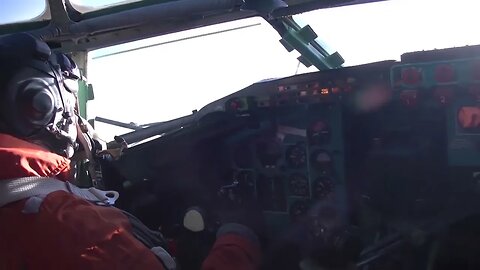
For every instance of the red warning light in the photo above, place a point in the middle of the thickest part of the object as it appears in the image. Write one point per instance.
(409, 97)
(336, 90)
(444, 73)
(236, 104)
(469, 117)
(411, 76)
(324, 91)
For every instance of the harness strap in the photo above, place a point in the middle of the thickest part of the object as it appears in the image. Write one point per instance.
(12, 190)
(17, 189)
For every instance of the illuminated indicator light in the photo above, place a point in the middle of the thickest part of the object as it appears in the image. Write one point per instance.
(444, 73)
(336, 90)
(303, 93)
(236, 104)
(409, 97)
(411, 76)
(324, 91)
(469, 117)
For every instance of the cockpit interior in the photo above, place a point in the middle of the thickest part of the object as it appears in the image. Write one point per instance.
(369, 166)
(383, 154)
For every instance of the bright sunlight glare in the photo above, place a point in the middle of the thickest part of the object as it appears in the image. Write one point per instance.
(166, 77)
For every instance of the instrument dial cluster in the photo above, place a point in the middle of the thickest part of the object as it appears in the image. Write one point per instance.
(296, 156)
(298, 185)
(323, 187)
(295, 159)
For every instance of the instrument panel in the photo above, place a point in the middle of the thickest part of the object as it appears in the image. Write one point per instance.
(297, 161)
(383, 147)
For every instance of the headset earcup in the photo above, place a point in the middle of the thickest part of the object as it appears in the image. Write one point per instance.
(29, 104)
(36, 102)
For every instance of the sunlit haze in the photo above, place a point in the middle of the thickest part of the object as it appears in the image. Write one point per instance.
(170, 78)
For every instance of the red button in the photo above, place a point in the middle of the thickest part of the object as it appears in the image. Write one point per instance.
(409, 97)
(444, 73)
(411, 76)
(236, 104)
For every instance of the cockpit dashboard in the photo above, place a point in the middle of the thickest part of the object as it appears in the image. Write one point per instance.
(385, 151)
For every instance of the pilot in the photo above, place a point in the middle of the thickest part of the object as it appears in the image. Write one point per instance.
(46, 222)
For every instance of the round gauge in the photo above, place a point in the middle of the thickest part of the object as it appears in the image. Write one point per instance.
(322, 187)
(319, 133)
(298, 209)
(269, 152)
(296, 156)
(298, 185)
(322, 161)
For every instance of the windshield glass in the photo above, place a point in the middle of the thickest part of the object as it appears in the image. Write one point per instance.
(375, 166)
(84, 6)
(15, 11)
(167, 77)
(384, 30)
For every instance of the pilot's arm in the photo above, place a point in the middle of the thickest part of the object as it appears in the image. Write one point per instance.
(236, 247)
(43, 223)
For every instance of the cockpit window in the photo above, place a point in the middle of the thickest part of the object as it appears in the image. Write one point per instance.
(169, 76)
(384, 30)
(174, 74)
(84, 6)
(17, 11)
